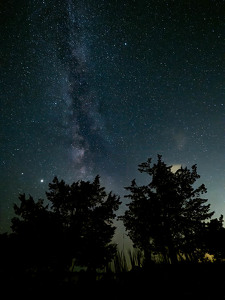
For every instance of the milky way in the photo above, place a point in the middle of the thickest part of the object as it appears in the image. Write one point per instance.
(97, 87)
(82, 118)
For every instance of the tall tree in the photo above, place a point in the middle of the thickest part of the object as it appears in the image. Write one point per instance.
(167, 215)
(87, 213)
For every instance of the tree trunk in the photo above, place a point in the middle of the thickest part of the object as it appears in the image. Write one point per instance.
(173, 255)
(148, 256)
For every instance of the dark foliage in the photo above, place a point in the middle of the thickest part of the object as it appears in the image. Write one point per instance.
(76, 225)
(167, 216)
(214, 239)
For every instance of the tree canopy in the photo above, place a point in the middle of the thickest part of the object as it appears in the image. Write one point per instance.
(167, 216)
(75, 224)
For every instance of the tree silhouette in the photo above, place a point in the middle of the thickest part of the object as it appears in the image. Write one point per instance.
(77, 223)
(87, 213)
(39, 235)
(214, 238)
(167, 216)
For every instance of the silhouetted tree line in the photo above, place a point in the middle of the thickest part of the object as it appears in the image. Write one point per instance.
(168, 219)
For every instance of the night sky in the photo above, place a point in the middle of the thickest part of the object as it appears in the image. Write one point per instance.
(96, 87)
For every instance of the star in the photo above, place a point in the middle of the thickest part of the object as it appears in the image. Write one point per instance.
(89, 105)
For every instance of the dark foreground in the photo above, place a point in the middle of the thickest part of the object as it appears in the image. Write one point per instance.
(197, 281)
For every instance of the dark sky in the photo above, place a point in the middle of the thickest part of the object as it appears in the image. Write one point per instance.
(96, 87)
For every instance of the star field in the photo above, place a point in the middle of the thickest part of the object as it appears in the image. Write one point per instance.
(97, 87)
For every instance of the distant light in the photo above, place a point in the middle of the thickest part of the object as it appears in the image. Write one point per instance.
(42, 180)
(125, 44)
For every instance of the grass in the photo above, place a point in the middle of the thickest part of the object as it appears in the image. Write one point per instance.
(125, 262)
(126, 277)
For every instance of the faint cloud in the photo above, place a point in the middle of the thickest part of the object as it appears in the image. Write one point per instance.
(175, 167)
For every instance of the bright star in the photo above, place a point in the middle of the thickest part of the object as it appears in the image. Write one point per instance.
(42, 180)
